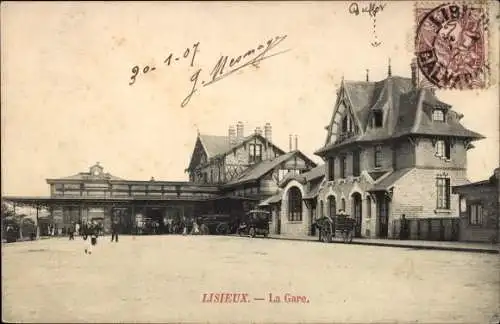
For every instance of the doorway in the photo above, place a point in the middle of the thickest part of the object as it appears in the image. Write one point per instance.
(312, 231)
(383, 216)
(278, 220)
(357, 212)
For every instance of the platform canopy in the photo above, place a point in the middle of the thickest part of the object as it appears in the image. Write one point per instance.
(47, 202)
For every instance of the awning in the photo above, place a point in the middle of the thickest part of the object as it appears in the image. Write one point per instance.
(271, 200)
(385, 183)
(313, 193)
(231, 197)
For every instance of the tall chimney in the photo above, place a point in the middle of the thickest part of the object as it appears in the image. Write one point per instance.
(290, 144)
(239, 131)
(296, 142)
(268, 131)
(367, 75)
(414, 73)
(389, 70)
(232, 135)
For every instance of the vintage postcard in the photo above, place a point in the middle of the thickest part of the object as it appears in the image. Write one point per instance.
(250, 162)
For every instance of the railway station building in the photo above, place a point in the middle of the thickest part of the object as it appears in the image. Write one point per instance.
(392, 153)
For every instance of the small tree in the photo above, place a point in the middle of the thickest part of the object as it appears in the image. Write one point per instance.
(7, 211)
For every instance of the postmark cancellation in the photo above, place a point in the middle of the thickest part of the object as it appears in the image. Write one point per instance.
(452, 45)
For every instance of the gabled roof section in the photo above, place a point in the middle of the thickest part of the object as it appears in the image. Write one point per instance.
(303, 178)
(95, 173)
(360, 96)
(258, 170)
(246, 140)
(217, 146)
(214, 144)
(194, 156)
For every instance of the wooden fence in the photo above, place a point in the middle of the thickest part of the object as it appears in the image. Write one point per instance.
(429, 229)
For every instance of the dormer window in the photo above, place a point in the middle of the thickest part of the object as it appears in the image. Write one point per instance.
(377, 119)
(438, 115)
(255, 154)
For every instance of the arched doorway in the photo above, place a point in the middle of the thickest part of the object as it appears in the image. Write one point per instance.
(332, 206)
(294, 204)
(357, 210)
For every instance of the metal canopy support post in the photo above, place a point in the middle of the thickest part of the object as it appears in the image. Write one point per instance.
(37, 223)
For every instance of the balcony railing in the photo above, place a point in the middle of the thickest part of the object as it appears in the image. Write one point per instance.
(343, 136)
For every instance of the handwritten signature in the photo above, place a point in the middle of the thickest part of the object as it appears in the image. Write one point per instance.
(372, 9)
(248, 58)
(225, 65)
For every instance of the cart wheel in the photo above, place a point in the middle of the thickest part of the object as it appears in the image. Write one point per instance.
(222, 228)
(350, 236)
(251, 232)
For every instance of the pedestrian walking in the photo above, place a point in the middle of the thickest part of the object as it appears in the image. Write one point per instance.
(71, 231)
(93, 232)
(196, 228)
(115, 229)
(403, 232)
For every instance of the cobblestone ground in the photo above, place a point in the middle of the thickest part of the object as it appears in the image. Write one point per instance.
(163, 278)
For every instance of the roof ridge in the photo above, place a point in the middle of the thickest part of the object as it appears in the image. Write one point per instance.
(418, 114)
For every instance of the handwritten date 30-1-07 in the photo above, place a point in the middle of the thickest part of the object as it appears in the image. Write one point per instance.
(189, 53)
(225, 65)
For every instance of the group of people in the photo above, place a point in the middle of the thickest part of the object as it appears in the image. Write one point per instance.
(90, 231)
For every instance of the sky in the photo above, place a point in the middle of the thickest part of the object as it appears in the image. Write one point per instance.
(66, 101)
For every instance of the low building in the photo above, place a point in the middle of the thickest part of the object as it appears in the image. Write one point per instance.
(480, 210)
(228, 175)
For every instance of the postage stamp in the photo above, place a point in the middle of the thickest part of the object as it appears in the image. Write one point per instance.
(451, 44)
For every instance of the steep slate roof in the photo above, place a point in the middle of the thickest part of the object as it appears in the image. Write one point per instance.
(218, 146)
(260, 169)
(215, 144)
(406, 111)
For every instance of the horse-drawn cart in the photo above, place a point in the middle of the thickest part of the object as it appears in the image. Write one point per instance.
(217, 224)
(341, 224)
(255, 222)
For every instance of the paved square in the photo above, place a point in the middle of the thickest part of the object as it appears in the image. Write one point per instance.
(163, 278)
